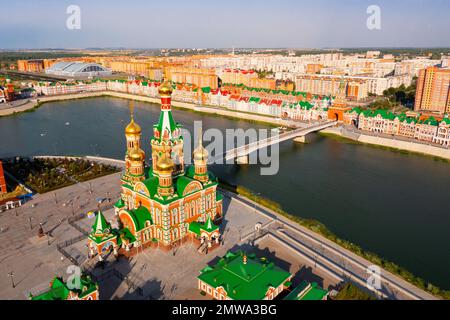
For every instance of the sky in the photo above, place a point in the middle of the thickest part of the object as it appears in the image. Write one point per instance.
(224, 24)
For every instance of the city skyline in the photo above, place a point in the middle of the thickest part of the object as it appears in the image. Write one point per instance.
(327, 24)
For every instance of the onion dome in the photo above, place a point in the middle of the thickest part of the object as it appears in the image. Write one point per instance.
(164, 164)
(136, 155)
(165, 89)
(133, 128)
(200, 153)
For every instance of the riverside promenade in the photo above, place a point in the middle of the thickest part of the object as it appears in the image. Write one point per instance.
(396, 142)
(33, 103)
(332, 257)
(363, 137)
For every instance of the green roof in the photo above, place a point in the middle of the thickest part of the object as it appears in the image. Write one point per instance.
(140, 216)
(208, 226)
(60, 291)
(119, 203)
(307, 291)
(126, 233)
(430, 121)
(446, 120)
(244, 281)
(100, 224)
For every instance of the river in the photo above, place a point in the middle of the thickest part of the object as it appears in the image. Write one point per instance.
(392, 203)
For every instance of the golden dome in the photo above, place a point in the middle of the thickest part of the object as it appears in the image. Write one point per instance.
(165, 89)
(133, 128)
(200, 153)
(136, 155)
(164, 164)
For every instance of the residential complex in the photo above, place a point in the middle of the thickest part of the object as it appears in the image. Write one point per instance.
(318, 74)
(427, 129)
(433, 90)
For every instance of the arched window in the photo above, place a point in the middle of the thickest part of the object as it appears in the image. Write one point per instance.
(175, 216)
(158, 216)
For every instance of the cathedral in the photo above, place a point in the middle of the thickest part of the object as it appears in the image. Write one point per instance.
(166, 202)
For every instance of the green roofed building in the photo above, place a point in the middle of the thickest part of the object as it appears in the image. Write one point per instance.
(242, 276)
(60, 290)
(307, 291)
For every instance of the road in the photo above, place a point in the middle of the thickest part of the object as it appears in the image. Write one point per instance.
(339, 259)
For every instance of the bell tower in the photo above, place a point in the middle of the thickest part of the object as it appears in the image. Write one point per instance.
(167, 138)
(135, 156)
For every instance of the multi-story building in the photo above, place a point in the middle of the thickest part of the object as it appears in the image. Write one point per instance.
(201, 77)
(356, 89)
(58, 88)
(30, 65)
(382, 121)
(413, 66)
(165, 203)
(237, 76)
(433, 90)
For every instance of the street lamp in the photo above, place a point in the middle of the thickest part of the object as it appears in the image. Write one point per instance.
(254, 202)
(11, 275)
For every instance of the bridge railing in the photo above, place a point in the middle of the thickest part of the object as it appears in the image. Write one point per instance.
(253, 146)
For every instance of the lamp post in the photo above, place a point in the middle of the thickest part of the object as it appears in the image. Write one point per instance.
(254, 201)
(31, 226)
(11, 275)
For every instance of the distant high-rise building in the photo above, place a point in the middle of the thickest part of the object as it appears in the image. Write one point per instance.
(433, 90)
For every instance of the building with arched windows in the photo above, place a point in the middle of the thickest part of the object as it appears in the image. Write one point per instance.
(166, 202)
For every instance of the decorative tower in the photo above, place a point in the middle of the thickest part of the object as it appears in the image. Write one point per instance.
(135, 156)
(165, 183)
(167, 137)
(339, 106)
(200, 161)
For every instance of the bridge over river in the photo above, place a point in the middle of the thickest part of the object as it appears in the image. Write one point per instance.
(241, 153)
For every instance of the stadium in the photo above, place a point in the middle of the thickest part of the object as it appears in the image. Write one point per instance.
(78, 70)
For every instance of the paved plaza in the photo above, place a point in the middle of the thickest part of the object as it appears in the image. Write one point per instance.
(155, 273)
(158, 273)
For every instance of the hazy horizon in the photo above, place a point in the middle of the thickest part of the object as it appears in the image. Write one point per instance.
(301, 24)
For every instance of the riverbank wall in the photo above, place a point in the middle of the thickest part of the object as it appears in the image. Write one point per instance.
(414, 147)
(34, 103)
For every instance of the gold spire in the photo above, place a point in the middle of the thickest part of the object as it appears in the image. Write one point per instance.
(200, 153)
(132, 128)
(164, 164)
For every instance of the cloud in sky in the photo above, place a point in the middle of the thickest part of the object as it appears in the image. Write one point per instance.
(243, 23)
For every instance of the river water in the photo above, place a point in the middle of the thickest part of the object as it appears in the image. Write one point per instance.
(394, 204)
